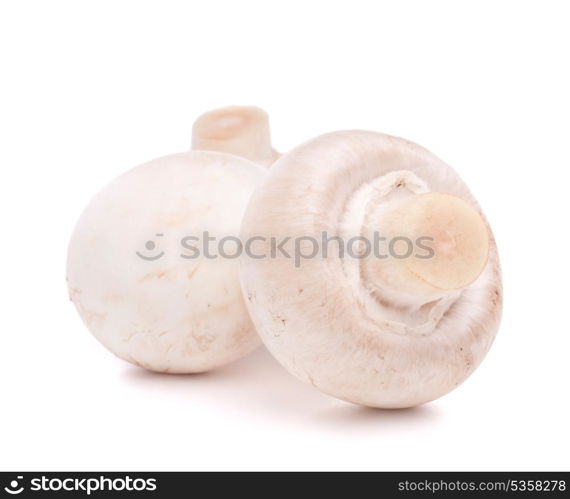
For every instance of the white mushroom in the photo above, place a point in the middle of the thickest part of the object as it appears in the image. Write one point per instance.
(132, 271)
(384, 329)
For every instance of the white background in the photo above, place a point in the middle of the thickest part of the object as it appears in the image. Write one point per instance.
(90, 89)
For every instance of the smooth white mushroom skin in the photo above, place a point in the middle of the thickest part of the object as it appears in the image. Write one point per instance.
(384, 333)
(127, 277)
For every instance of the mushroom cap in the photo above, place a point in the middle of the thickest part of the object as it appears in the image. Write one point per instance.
(324, 319)
(133, 289)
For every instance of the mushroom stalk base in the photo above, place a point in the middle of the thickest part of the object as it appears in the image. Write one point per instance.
(239, 130)
(434, 244)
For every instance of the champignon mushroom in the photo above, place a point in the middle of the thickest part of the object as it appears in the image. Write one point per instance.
(134, 273)
(384, 329)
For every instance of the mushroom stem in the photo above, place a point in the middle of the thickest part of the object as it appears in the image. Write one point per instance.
(239, 130)
(437, 244)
